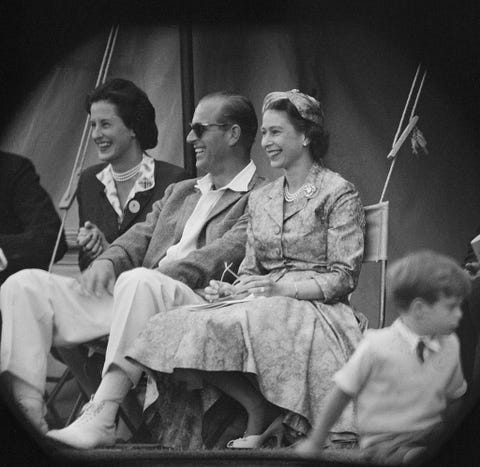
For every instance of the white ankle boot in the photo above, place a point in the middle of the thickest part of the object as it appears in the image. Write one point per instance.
(34, 411)
(94, 428)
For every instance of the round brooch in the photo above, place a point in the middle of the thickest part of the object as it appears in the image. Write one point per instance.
(309, 190)
(134, 206)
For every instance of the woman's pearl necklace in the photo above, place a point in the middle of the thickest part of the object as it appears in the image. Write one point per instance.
(127, 175)
(289, 197)
(307, 190)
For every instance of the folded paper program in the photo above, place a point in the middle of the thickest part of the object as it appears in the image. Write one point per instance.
(222, 302)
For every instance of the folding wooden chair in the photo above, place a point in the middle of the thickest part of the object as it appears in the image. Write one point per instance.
(376, 245)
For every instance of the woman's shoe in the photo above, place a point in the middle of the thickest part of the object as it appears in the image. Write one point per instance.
(247, 442)
(276, 430)
(94, 428)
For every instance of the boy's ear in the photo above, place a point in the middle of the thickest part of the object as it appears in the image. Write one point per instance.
(417, 307)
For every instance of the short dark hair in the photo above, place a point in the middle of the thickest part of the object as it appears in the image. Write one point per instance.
(427, 275)
(316, 133)
(133, 107)
(237, 109)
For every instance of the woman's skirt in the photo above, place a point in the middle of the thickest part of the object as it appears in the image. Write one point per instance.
(292, 347)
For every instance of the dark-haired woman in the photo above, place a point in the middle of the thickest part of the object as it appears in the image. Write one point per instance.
(276, 354)
(120, 191)
(111, 198)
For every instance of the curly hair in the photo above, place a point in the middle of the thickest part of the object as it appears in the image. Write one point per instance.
(133, 107)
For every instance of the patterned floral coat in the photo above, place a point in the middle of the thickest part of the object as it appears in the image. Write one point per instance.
(292, 347)
(321, 235)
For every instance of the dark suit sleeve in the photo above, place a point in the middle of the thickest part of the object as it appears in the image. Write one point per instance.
(33, 247)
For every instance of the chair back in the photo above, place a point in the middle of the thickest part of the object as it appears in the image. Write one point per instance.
(376, 247)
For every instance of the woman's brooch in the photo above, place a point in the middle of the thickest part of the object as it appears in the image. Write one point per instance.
(309, 190)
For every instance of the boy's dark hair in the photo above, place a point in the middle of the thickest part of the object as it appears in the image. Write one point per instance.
(427, 275)
(133, 107)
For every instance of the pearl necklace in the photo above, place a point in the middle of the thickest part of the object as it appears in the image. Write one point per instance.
(127, 175)
(307, 190)
(289, 197)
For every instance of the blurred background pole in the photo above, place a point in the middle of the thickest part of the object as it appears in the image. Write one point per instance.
(188, 93)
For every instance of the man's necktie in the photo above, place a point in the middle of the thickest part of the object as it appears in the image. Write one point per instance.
(420, 349)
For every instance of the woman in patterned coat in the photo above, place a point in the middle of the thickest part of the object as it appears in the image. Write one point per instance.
(276, 350)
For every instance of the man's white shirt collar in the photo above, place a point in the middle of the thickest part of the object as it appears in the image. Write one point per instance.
(238, 183)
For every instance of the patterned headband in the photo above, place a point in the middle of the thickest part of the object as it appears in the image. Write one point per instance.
(307, 106)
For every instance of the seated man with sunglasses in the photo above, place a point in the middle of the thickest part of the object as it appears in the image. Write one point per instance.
(197, 227)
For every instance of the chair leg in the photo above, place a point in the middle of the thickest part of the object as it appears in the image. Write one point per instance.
(51, 397)
(78, 403)
(75, 361)
(60, 383)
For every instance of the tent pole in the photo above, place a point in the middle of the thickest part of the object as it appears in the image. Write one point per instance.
(69, 195)
(188, 93)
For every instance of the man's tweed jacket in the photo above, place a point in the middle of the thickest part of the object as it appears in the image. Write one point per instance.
(221, 240)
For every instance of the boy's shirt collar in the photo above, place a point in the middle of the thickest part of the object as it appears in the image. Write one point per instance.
(412, 338)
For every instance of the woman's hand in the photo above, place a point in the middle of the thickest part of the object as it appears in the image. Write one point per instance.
(263, 286)
(92, 240)
(217, 289)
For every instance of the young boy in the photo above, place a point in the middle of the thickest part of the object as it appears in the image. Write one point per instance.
(402, 377)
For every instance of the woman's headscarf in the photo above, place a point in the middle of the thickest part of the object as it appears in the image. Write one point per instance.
(307, 106)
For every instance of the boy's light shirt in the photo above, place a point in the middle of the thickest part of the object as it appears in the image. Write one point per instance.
(412, 338)
(394, 391)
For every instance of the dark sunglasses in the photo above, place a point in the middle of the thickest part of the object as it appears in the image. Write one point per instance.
(200, 128)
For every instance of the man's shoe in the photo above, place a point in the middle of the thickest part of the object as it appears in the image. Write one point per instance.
(93, 429)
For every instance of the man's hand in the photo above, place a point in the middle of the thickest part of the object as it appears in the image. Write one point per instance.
(216, 290)
(98, 279)
(92, 240)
